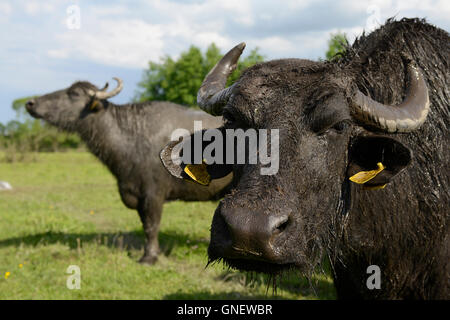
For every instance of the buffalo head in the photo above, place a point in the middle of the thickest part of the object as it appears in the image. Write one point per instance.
(328, 131)
(63, 107)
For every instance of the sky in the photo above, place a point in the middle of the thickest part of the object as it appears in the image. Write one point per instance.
(48, 45)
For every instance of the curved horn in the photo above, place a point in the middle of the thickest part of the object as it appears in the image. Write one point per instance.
(406, 117)
(105, 87)
(102, 94)
(212, 95)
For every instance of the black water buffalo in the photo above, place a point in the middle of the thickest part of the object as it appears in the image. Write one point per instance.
(127, 139)
(378, 114)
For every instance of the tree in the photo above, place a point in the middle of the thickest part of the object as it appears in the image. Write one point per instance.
(179, 80)
(336, 45)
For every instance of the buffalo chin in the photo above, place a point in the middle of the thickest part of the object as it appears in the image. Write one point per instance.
(257, 266)
(252, 265)
(34, 114)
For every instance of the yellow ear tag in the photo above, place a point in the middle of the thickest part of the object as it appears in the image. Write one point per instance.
(94, 105)
(198, 173)
(364, 176)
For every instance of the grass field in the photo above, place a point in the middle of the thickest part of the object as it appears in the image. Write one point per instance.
(65, 210)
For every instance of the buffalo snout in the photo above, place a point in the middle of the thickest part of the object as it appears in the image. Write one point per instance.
(29, 104)
(249, 234)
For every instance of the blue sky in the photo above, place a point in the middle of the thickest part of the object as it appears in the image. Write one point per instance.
(47, 45)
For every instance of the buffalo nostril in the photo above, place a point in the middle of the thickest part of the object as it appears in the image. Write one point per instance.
(29, 104)
(280, 225)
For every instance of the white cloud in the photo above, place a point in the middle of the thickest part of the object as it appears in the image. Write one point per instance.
(117, 35)
(241, 11)
(5, 8)
(351, 33)
(204, 39)
(39, 53)
(277, 45)
(127, 43)
(33, 7)
(58, 53)
(298, 4)
(433, 10)
(105, 11)
(5, 11)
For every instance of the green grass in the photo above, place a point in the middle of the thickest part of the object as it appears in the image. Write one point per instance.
(65, 210)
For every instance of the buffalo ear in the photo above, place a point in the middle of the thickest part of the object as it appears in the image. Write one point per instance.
(95, 105)
(166, 158)
(367, 153)
(172, 159)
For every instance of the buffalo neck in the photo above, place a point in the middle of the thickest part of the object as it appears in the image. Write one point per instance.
(106, 139)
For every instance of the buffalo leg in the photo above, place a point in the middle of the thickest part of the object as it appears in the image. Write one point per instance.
(150, 209)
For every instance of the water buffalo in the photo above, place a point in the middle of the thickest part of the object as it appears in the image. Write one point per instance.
(378, 114)
(127, 139)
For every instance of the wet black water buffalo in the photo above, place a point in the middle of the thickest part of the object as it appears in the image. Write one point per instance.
(127, 139)
(383, 105)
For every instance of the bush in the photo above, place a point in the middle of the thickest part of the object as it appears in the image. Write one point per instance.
(17, 139)
(179, 80)
(20, 137)
(337, 45)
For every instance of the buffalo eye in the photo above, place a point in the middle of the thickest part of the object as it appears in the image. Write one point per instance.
(340, 126)
(74, 93)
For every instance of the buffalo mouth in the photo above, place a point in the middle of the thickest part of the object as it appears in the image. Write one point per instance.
(247, 261)
(254, 256)
(34, 114)
(250, 265)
